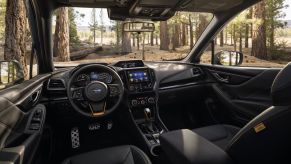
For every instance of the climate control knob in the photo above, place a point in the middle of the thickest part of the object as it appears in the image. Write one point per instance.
(151, 100)
(134, 102)
(142, 102)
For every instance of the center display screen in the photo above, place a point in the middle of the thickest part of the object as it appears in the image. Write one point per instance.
(138, 76)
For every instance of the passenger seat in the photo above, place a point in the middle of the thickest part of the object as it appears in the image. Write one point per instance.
(220, 134)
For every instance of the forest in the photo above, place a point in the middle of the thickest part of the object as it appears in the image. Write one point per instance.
(261, 32)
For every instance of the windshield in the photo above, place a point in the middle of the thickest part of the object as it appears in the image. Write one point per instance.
(86, 35)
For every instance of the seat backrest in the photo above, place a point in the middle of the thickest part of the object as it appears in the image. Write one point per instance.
(267, 138)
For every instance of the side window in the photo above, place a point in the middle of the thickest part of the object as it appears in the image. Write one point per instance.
(15, 45)
(258, 37)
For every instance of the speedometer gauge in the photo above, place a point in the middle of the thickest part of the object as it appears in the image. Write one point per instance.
(103, 77)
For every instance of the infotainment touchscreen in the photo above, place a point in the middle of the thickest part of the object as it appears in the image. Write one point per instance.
(138, 76)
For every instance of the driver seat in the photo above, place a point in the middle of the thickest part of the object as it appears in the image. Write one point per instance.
(121, 154)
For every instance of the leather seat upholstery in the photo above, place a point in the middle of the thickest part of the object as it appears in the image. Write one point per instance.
(220, 135)
(114, 155)
(266, 138)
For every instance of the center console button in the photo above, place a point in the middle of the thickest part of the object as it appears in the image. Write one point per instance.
(131, 88)
(151, 100)
(142, 102)
(134, 102)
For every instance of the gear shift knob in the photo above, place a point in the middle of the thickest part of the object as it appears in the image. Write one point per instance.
(147, 113)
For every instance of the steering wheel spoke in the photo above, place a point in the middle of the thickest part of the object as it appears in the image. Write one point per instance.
(114, 90)
(97, 108)
(77, 93)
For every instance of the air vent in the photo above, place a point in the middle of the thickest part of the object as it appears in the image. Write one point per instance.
(56, 84)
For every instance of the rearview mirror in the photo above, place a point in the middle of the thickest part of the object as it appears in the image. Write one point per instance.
(228, 58)
(138, 27)
(11, 73)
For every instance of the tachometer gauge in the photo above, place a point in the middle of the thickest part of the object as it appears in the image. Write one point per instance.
(82, 80)
(105, 77)
(108, 78)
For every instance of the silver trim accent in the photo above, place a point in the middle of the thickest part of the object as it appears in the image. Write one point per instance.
(75, 138)
(178, 86)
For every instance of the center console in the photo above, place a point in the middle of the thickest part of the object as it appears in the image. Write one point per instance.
(142, 97)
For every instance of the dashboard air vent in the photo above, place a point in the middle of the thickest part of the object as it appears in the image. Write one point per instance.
(56, 84)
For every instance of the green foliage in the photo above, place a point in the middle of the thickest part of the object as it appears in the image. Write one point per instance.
(274, 15)
(2, 18)
(74, 39)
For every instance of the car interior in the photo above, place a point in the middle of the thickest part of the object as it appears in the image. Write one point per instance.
(143, 112)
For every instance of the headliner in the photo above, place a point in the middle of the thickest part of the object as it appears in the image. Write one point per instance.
(211, 6)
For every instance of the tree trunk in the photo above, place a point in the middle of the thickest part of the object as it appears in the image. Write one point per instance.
(61, 44)
(272, 34)
(152, 38)
(201, 26)
(137, 41)
(126, 43)
(191, 33)
(133, 40)
(225, 35)
(259, 48)
(164, 38)
(240, 40)
(177, 35)
(15, 33)
(221, 38)
(183, 34)
(234, 37)
(251, 17)
(231, 36)
(247, 36)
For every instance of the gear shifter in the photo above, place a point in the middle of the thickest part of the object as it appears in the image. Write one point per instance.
(148, 114)
(149, 122)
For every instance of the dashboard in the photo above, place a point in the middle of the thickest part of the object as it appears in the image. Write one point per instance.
(138, 77)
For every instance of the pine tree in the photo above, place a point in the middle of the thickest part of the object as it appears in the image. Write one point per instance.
(259, 48)
(15, 33)
(61, 37)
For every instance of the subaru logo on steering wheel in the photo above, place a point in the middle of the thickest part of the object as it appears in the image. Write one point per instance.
(96, 90)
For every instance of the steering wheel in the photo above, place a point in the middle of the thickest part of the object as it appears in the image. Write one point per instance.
(95, 94)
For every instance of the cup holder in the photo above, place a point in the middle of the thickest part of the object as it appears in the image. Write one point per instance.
(156, 150)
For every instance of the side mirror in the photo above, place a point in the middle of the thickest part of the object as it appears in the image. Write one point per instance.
(141, 26)
(11, 73)
(228, 58)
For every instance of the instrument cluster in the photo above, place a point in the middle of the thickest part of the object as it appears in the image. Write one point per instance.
(85, 78)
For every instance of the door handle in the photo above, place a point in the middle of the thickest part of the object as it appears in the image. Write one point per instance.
(224, 79)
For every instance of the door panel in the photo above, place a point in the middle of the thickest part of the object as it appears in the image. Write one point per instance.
(244, 91)
(21, 121)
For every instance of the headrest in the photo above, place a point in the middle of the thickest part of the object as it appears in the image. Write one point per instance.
(281, 88)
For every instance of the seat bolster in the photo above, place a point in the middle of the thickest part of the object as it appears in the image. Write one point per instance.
(127, 154)
(139, 156)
